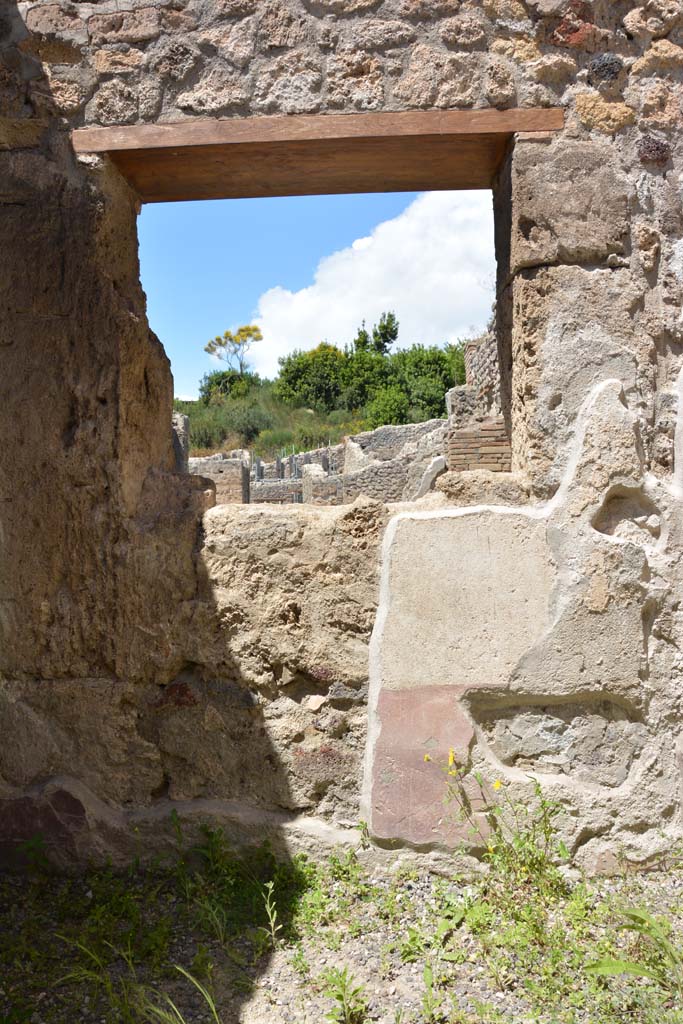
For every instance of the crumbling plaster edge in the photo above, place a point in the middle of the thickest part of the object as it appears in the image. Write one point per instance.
(543, 511)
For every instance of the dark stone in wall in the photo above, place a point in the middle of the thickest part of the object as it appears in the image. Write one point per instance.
(652, 150)
(605, 68)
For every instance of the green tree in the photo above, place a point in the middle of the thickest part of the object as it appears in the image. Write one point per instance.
(384, 334)
(366, 373)
(424, 374)
(361, 343)
(234, 348)
(313, 379)
(456, 354)
(221, 384)
(388, 406)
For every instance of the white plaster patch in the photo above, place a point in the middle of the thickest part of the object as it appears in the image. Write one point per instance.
(469, 597)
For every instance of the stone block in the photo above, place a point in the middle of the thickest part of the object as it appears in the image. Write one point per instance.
(554, 223)
(136, 26)
(59, 21)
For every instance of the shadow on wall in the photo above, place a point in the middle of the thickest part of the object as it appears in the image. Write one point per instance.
(119, 700)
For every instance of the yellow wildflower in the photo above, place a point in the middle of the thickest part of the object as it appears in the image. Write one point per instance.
(451, 757)
(427, 758)
(497, 784)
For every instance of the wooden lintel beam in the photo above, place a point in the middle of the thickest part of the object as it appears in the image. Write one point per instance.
(300, 155)
(225, 131)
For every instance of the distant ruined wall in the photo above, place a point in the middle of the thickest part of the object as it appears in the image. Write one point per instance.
(389, 442)
(321, 488)
(384, 481)
(386, 464)
(231, 477)
(282, 492)
(136, 672)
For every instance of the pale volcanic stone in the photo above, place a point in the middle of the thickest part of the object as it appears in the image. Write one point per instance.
(355, 80)
(583, 224)
(381, 34)
(526, 50)
(441, 80)
(428, 8)
(482, 487)
(235, 43)
(661, 107)
(602, 116)
(57, 21)
(128, 27)
(279, 27)
(343, 7)
(291, 85)
(115, 103)
(178, 21)
(649, 245)
(653, 19)
(467, 31)
(220, 89)
(231, 8)
(501, 89)
(70, 88)
(662, 56)
(150, 93)
(549, 8)
(110, 62)
(505, 10)
(553, 68)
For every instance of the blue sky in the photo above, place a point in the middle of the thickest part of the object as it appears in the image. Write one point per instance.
(310, 269)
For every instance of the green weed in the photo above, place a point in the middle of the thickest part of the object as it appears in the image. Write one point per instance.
(168, 1012)
(663, 965)
(349, 997)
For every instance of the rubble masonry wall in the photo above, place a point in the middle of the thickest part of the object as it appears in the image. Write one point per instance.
(154, 653)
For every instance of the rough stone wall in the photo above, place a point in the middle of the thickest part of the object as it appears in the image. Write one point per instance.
(321, 488)
(230, 476)
(483, 373)
(390, 442)
(572, 678)
(260, 725)
(333, 455)
(279, 492)
(111, 588)
(384, 481)
(387, 464)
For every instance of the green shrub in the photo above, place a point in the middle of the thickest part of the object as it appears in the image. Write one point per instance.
(325, 393)
(390, 406)
(313, 379)
(220, 384)
(245, 418)
(271, 442)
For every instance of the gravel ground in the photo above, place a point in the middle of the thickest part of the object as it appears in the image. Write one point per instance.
(383, 926)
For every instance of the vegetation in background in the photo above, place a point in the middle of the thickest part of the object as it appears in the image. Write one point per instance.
(234, 348)
(320, 395)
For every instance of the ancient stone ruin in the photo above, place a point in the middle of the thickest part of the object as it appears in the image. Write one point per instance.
(287, 669)
(389, 464)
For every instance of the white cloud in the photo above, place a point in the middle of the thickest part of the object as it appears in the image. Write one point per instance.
(433, 265)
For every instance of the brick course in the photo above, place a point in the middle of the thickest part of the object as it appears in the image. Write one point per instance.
(481, 445)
